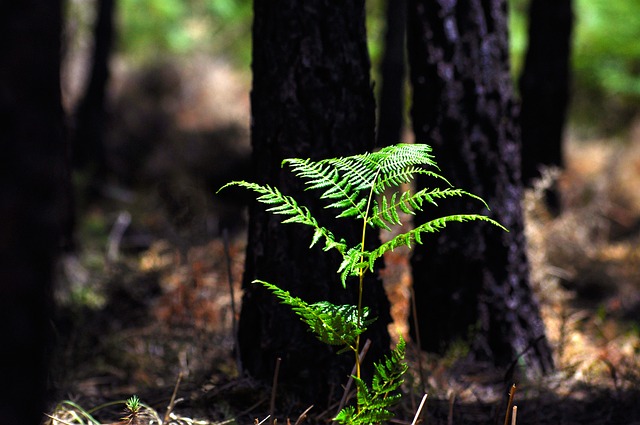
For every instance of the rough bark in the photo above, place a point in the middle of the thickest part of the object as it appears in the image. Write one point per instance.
(472, 280)
(31, 176)
(544, 86)
(392, 89)
(311, 97)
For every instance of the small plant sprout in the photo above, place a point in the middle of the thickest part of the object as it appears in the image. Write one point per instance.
(366, 188)
(132, 410)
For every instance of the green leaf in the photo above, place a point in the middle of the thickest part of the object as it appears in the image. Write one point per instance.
(331, 324)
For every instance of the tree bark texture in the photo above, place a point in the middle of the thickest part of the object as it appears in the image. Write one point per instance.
(544, 85)
(311, 97)
(392, 91)
(472, 280)
(31, 181)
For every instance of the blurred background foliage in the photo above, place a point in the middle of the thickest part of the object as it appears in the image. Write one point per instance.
(605, 60)
(606, 48)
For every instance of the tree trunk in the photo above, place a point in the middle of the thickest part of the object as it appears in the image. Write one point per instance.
(311, 97)
(544, 85)
(89, 154)
(31, 180)
(392, 106)
(472, 280)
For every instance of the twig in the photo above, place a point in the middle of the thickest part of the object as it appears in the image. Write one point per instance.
(347, 388)
(419, 411)
(416, 328)
(513, 415)
(512, 392)
(234, 324)
(452, 400)
(115, 235)
(303, 415)
(274, 387)
(173, 399)
(262, 421)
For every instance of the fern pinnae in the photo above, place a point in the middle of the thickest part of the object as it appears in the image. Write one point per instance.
(355, 170)
(376, 401)
(317, 175)
(401, 156)
(433, 226)
(320, 175)
(338, 325)
(404, 176)
(287, 205)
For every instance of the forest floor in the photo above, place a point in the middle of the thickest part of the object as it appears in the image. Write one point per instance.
(146, 304)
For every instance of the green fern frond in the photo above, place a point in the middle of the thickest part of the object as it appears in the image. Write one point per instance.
(350, 180)
(332, 324)
(358, 170)
(386, 212)
(287, 205)
(433, 226)
(375, 402)
(357, 187)
(356, 260)
(403, 176)
(392, 159)
(388, 372)
(353, 263)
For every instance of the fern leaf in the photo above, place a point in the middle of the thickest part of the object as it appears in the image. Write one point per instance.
(286, 205)
(388, 372)
(325, 175)
(348, 181)
(386, 212)
(375, 402)
(394, 158)
(433, 226)
(331, 324)
(354, 262)
(358, 170)
(318, 175)
(345, 416)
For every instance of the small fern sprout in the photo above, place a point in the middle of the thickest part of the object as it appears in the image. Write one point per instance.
(366, 188)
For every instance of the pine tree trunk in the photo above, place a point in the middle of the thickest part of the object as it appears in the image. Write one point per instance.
(544, 85)
(311, 97)
(392, 72)
(472, 279)
(31, 182)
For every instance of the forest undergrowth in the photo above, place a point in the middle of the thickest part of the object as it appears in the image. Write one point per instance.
(136, 322)
(146, 305)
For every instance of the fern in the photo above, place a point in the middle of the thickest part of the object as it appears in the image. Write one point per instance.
(376, 401)
(357, 188)
(352, 184)
(331, 324)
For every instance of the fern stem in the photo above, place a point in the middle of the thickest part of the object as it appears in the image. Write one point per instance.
(357, 345)
(365, 218)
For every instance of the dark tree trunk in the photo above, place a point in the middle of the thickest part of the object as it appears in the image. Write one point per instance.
(391, 108)
(311, 97)
(88, 142)
(31, 178)
(472, 279)
(544, 85)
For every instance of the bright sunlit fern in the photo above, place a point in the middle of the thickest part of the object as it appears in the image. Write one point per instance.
(366, 187)
(369, 188)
